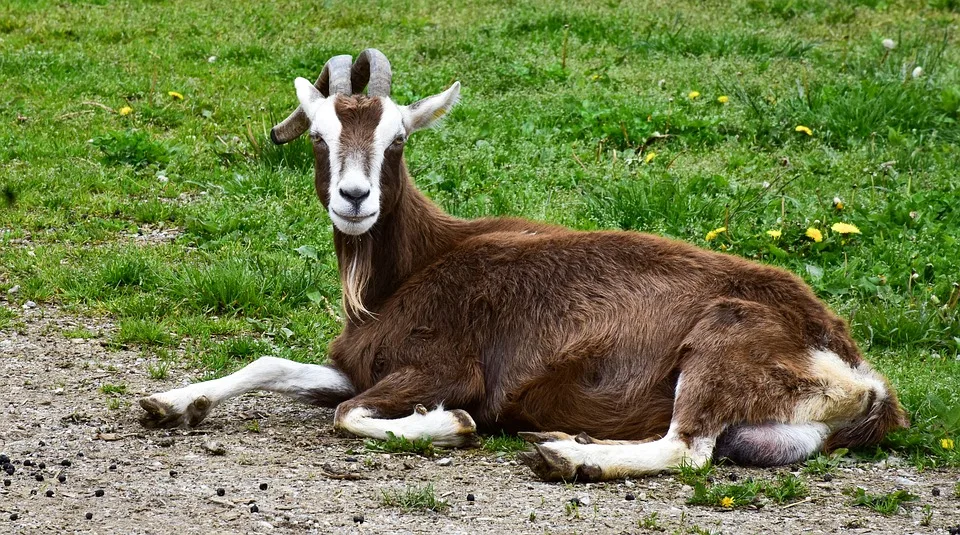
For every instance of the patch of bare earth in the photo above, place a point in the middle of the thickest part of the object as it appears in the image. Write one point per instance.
(53, 410)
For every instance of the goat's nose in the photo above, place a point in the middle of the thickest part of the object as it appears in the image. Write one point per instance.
(355, 195)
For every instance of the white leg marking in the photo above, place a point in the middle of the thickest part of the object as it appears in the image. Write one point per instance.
(625, 460)
(442, 427)
(293, 379)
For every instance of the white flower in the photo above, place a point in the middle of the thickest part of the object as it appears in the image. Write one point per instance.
(889, 44)
(211, 59)
(917, 72)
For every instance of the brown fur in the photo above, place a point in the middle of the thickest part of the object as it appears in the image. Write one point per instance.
(529, 326)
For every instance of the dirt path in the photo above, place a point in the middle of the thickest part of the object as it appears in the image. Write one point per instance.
(166, 482)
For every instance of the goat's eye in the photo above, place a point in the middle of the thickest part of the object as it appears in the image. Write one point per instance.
(398, 141)
(318, 140)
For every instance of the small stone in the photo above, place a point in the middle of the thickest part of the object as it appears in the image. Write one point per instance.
(29, 305)
(214, 448)
(42, 466)
(62, 478)
(350, 459)
(49, 494)
(254, 508)
(38, 477)
(7, 483)
(9, 469)
(585, 500)
(173, 473)
(14, 289)
(358, 519)
(733, 477)
(263, 486)
(576, 501)
(65, 462)
(98, 493)
(221, 492)
(4, 459)
(113, 467)
(88, 516)
(936, 491)
(828, 477)
(28, 462)
(14, 516)
(79, 453)
(471, 497)
(446, 461)
(166, 442)
(630, 497)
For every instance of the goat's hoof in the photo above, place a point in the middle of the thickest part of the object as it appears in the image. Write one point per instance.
(467, 436)
(161, 414)
(551, 465)
(541, 437)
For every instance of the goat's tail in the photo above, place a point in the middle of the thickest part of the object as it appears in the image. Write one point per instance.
(882, 415)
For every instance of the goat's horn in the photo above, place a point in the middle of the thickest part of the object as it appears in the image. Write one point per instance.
(373, 67)
(333, 79)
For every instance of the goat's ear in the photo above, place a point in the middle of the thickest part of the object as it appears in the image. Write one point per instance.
(308, 95)
(427, 112)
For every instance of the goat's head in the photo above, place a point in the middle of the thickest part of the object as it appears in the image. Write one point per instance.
(358, 139)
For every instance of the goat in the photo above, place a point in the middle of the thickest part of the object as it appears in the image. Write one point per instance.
(667, 352)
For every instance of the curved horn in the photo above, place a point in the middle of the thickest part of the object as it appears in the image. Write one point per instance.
(373, 67)
(333, 79)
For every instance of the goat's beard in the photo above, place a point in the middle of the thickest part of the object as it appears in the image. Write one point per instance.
(355, 271)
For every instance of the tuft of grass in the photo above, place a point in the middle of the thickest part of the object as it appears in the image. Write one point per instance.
(650, 522)
(158, 371)
(414, 498)
(504, 443)
(142, 331)
(131, 147)
(786, 488)
(885, 504)
(113, 390)
(824, 464)
(395, 444)
(727, 495)
(689, 474)
(7, 317)
(78, 332)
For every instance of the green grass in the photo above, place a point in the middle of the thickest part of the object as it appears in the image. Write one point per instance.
(395, 444)
(562, 103)
(885, 504)
(111, 390)
(414, 498)
(504, 444)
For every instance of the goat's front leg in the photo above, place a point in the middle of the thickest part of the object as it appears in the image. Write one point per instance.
(188, 406)
(398, 404)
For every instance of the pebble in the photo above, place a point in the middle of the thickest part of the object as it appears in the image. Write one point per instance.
(630, 497)
(113, 467)
(42, 466)
(471, 497)
(14, 516)
(62, 478)
(29, 304)
(828, 477)
(936, 491)
(14, 289)
(49, 494)
(166, 442)
(358, 519)
(173, 473)
(446, 461)
(221, 492)
(263, 486)
(350, 459)
(65, 462)
(88, 516)
(214, 448)
(38, 477)
(98, 493)
(254, 508)
(6, 483)
(4, 459)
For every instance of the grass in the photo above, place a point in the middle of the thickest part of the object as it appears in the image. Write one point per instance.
(885, 504)
(575, 113)
(825, 463)
(785, 488)
(395, 444)
(113, 390)
(504, 444)
(414, 498)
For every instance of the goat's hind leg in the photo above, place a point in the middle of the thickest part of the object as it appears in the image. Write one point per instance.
(188, 406)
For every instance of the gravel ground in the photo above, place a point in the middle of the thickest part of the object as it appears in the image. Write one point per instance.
(166, 481)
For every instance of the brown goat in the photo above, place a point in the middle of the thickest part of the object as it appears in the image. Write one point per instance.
(668, 352)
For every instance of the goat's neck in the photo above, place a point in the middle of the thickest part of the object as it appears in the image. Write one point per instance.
(404, 241)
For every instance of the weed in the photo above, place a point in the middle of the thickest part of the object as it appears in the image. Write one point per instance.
(395, 444)
(158, 370)
(885, 504)
(786, 488)
(927, 515)
(114, 404)
(253, 426)
(7, 317)
(78, 332)
(650, 522)
(824, 464)
(142, 331)
(504, 443)
(688, 474)
(571, 508)
(131, 147)
(414, 498)
(113, 390)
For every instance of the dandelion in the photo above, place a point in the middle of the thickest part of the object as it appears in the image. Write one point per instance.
(175, 95)
(889, 44)
(649, 157)
(837, 203)
(814, 235)
(726, 501)
(723, 99)
(693, 94)
(712, 235)
(917, 72)
(946, 443)
(804, 129)
(775, 234)
(126, 110)
(844, 228)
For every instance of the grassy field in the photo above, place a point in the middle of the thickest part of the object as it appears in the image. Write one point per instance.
(137, 179)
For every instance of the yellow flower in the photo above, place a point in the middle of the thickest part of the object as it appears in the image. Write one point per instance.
(649, 157)
(775, 234)
(845, 228)
(946, 443)
(126, 110)
(712, 235)
(726, 501)
(814, 234)
(175, 95)
(723, 99)
(693, 94)
(838, 203)
(804, 129)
